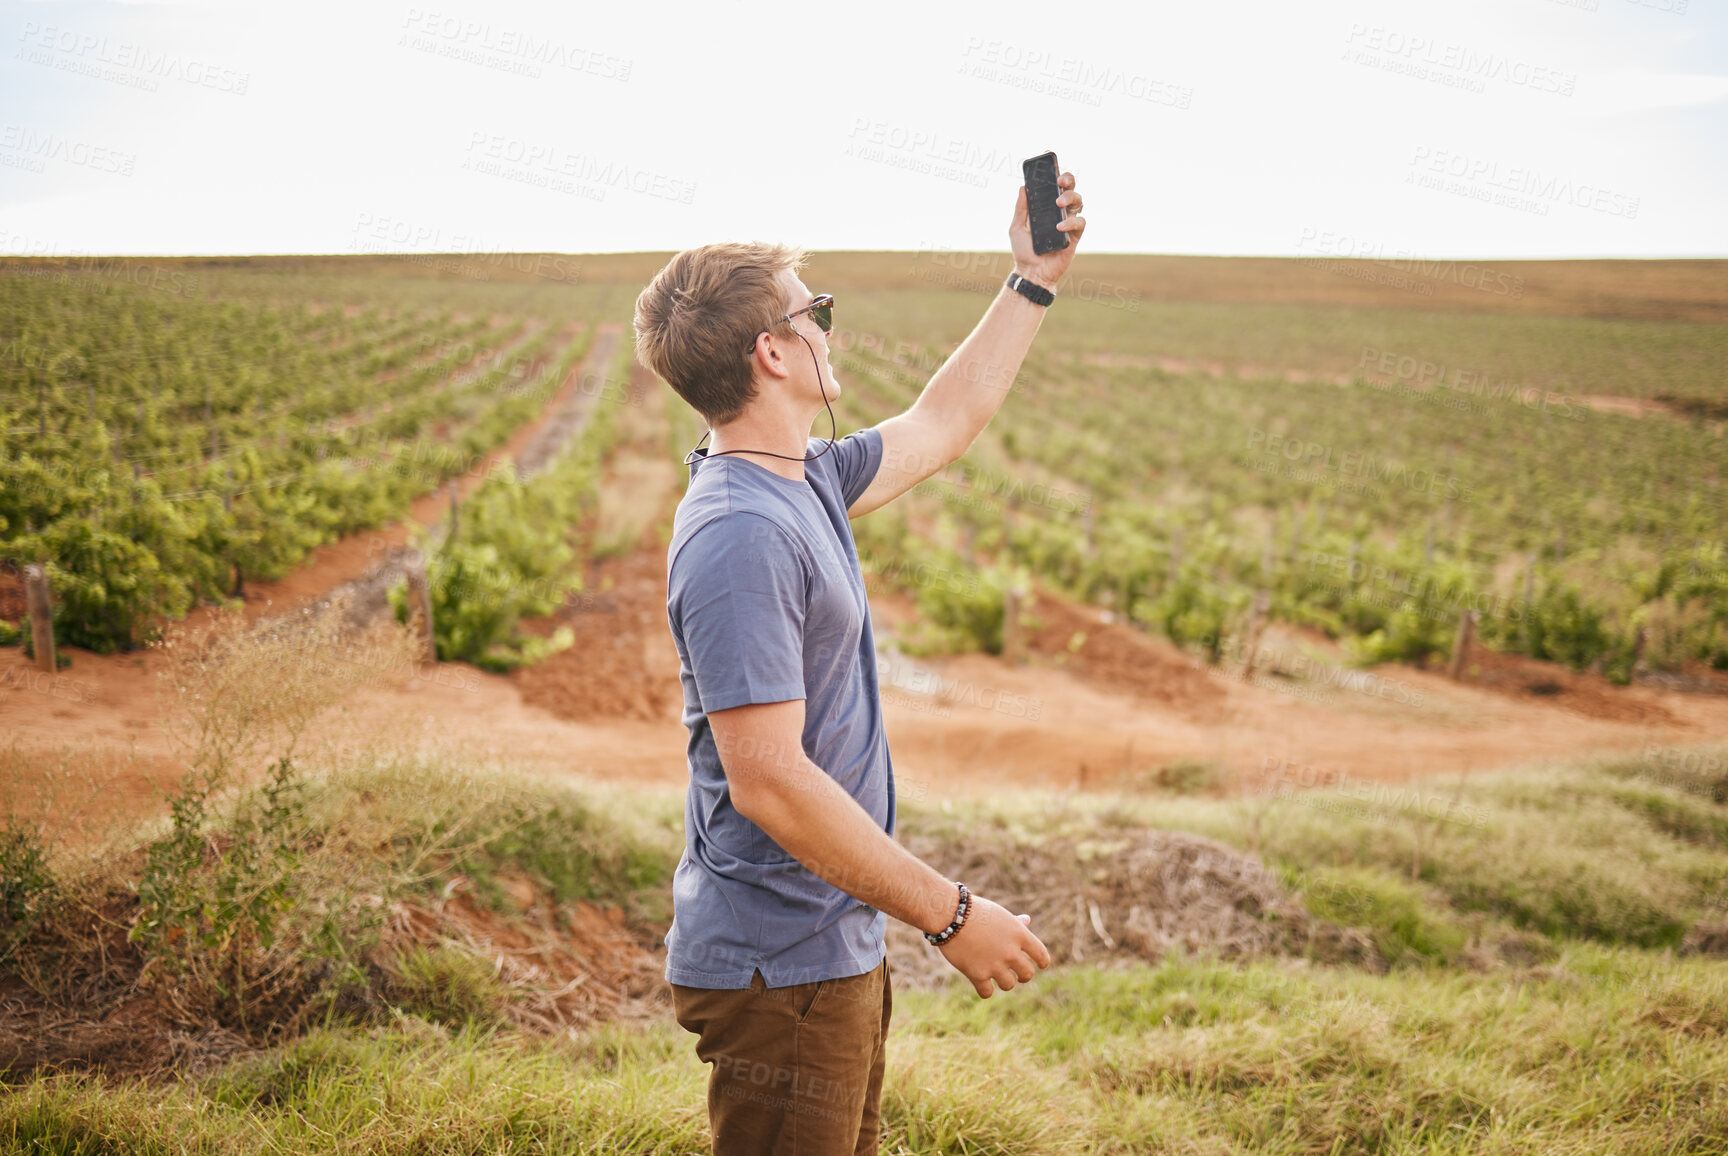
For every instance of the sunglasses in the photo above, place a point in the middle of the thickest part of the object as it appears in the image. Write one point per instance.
(822, 309)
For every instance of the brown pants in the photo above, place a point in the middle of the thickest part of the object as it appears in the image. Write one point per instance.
(797, 1070)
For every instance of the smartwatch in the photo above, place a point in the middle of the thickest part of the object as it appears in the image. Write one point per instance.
(1032, 291)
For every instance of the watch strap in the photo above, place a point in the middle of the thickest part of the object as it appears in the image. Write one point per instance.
(1032, 291)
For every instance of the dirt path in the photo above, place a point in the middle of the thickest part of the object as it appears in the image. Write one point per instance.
(622, 666)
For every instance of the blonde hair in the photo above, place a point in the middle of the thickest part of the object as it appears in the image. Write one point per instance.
(702, 312)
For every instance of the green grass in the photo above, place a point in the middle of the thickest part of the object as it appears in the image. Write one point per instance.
(1537, 995)
(1609, 1050)
(435, 817)
(414, 1088)
(1405, 922)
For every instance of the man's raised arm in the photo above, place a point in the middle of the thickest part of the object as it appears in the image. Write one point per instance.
(968, 389)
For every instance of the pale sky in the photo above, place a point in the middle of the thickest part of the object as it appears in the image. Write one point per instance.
(1516, 128)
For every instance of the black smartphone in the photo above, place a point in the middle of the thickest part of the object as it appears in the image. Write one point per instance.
(1041, 207)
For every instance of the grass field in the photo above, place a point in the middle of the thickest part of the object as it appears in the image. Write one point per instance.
(1537, 983)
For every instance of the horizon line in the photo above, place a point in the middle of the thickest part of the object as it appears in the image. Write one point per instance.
(670, 252)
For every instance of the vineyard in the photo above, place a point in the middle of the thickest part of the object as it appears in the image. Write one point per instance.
(1376, 506)
(161, 450)
(1178, 446)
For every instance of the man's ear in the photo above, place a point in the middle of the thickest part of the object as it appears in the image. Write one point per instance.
(776, 363)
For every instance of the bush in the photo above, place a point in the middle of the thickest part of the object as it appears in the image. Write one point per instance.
(509, 558)
(211, 911)
(103, 584)
(1562, 628)
(1410, 635)
(1422, 626)
(243, 918)
(968, 613)
(27, 884)
(1194, 609)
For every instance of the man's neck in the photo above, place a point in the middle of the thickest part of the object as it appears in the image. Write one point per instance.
(785, 440)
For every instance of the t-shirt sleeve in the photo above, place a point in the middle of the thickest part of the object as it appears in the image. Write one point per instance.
(737, 590)
(857, 457)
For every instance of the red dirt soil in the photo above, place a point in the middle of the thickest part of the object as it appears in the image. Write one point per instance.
(576, 965)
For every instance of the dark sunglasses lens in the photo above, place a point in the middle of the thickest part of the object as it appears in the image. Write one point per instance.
(824, 315)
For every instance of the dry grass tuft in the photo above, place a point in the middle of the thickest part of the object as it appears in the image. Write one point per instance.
(230, 692)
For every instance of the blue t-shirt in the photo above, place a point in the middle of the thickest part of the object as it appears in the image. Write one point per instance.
(766, 603)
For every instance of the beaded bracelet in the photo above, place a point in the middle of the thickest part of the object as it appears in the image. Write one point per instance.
(960, 914)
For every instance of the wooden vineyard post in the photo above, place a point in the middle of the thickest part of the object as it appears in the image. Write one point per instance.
(1461, 645)
(420, 606)
(40, 609)
(453, 497)
(1256, 625)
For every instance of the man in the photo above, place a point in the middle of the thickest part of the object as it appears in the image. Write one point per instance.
(790, 870)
